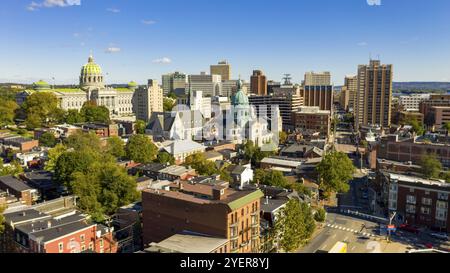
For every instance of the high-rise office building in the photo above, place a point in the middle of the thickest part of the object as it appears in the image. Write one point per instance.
(351, 85)
(174, 83)
(258, 83)
(271, 85)
(223, 68)
(317, 78)
(211, 85)
(318, 91)
(374, 94)
(149, 99)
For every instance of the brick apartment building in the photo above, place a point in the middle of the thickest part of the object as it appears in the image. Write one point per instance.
(18, 143)
(33, 231)
(404, 149)
(314, 119)
(17, 188)
(209, 208)
(417, 201)
(436, 110)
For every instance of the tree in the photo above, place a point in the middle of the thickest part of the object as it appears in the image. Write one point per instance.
(294, 226)
(91, 112)
(13, 169)
(447, 127)
(417, 127)
(271, 178)
(81, 140)
(53, 155)
(335, 171)
(73, 116)
(283, 137)
(2, 220)
(41, 108)
(71, 162)
(47, 139)
(7, 112)
(431, 166)
(141, 149)
(253, 153)
(115, 147)
(140, 127)
(103, 189)
(165, 157)
(168, 104)
(201, 165)
(320, 215)
(172, 95)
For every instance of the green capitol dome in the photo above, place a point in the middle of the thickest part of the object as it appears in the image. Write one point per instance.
(240, 98)
(41, 85)
(91, 75)
(132, 84)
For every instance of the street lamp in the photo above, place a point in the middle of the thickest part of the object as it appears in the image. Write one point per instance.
(389, 227)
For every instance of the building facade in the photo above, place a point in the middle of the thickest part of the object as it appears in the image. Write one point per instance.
(314, 119)
(351, 85)
(374, 95)
(211, 85)
(258, 83)
(223, 68)
(174, 83)
(149, 99)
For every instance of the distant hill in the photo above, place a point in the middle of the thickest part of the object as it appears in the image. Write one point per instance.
(421, 87)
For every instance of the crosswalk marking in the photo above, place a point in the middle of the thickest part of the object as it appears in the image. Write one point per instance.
(350, 230)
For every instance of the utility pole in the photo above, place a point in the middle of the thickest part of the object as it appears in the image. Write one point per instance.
(390, 224)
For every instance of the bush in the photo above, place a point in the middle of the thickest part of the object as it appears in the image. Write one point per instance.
(320, 215)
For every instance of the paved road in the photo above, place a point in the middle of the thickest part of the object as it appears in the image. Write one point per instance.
(350, 230)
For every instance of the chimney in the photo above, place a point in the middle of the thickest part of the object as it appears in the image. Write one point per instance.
(24, 213)
(49, 224)
(218, 193)
(267, 200)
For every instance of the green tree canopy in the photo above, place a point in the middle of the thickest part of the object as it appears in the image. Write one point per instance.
(431, 166)
(168, 104)
(103, 189)
(70, 162)
(294, 226)
(201, 165)
(73, 116)
(115, 146)
(140, 127)
(7, 112)
(47, 139)
(320, 215)
(335, 171)
(165, 157)
(141, 149)
(2, 220)
(91, 112)
(41, 108)
(81, 140)
(253, 153)
(14, 168)
(53, 155)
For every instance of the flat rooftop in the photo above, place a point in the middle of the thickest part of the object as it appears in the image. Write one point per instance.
(418, 180)
(184, 243)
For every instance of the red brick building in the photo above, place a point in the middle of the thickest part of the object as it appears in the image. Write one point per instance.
(210, 208)
(417, 201)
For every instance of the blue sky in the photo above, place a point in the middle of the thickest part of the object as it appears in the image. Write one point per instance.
(137, 39)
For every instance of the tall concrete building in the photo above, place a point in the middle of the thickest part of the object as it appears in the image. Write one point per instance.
(351, 85)
(317, 78)
(258, 83)
(223, 68)
(211, 85)
(149, 99)
(229, 88)
(318, 91)
(174, 83)
(374, 94)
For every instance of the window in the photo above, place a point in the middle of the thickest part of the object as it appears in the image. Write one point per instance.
(426, 201)
(410, 208)
(425, 210)
(60, 247)
(442, 196)
(101, 242)
(91, 246)
(410, 199)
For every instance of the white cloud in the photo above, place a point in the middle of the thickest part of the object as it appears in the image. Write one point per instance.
(363, 44)
(53, 3)
(148, 22)
(113, 10)
(164, 60)
(113, 50)
(374, 2)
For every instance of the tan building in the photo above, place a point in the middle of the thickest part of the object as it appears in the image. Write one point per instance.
(314, 119)
(351, 85)
(374, 95)
(223, 68)
(344, 98)
(149, 99)
(209, 208)
(317, 78)
(436, 110)
(258, 83)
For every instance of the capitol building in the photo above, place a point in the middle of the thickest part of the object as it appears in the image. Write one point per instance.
(132, 101)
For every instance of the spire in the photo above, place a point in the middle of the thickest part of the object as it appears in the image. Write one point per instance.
(91, 58)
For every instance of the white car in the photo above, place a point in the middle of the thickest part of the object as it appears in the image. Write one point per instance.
(440, 236)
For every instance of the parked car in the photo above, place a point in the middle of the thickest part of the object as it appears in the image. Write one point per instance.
(440, 236)
(409, 228)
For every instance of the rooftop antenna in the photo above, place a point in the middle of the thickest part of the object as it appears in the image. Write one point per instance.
(287, 79)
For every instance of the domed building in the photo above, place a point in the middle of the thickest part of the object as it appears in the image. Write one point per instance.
(246, 125)
(122, 102)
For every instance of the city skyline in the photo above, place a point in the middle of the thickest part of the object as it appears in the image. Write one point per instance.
(137, 40)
